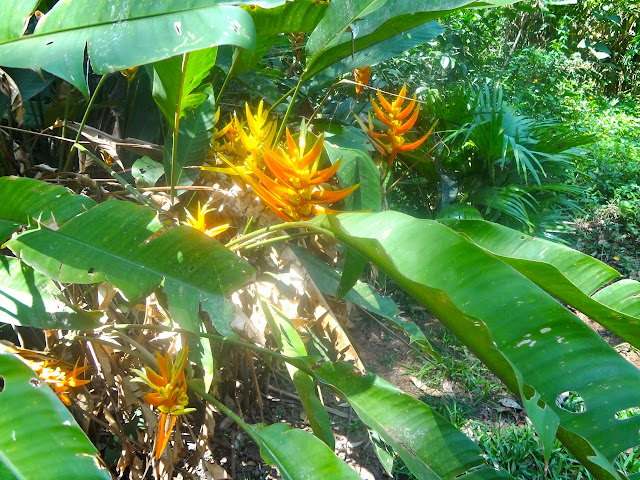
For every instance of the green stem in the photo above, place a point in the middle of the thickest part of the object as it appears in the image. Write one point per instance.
(67, 164)
(139, 355)
(276, 240)
(227, 411)
(283, 124)
(226, 79)
(274, 228)
(176, 127)
(299, 362)
(119, 178)
(281, 99)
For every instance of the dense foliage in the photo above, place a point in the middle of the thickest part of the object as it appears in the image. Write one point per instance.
(215, 194)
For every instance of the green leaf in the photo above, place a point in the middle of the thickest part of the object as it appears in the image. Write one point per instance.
(354, 265)
(363, 295)
(350, 26)
(120, 34)
(566, 274)
(430, 447)
(284, 446)
(347, 143)
(146, 172)
(24, 201)
(107, 243)
(194, 137)
(168, 82)
(44, 441)
(377, 53)
(529, 339)
(14, 14)
(28, 298)
(298, 16)
(291, 345)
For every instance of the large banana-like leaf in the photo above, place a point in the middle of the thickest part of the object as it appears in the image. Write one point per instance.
(23, 201)
(285, 447)
(535, 345)
(120, 34)
(107, 243)
(568, 275)
(290, 344)
(14, 15)
(39, 438)
(353, 25)
(430, 447)
(29, 298)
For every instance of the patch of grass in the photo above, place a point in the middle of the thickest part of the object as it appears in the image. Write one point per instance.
(458, 365)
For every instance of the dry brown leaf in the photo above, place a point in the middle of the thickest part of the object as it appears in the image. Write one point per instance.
(9, 88)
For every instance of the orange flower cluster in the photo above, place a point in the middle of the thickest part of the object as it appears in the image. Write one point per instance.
(293, 190)
(297, 40)
(362, 76)
(169, 395)
(399, 121)
(59, 379)
(295, 193)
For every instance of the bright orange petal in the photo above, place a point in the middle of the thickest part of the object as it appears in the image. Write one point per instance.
(382, 116)
(326, 174)
(314, 153)
(403, 114)
(164, 429)
(383, 101)
(402, 129)
(400, 98)
(331, 196)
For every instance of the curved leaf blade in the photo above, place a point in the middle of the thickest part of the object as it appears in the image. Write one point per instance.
(430, 446)
(46, 431)
(284, 446)
(568, 275)
(535, 345)
(120, 34)
(28, 298)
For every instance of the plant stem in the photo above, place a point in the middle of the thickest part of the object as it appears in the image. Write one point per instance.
(67, 164)
(227, 411)
(275, 228)
(286, 115)
(176, 127)
(139, 355)
(276, 240)
(299, 362)
(226, 79)
(119, 178)
(281, 99)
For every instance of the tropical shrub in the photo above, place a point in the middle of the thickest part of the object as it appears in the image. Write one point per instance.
(109, 281)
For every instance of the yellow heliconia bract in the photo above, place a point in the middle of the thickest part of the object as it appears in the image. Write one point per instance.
(199, 222)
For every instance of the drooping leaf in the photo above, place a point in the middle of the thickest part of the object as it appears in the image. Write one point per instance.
(120, 34)
(36, 425)
(284, 446)
(376, 53)
(23, 201)
(350, 26)
(513, 326)
(430, 447)
(29, 298)
(291, 345)
(107, 243)
(568, 275)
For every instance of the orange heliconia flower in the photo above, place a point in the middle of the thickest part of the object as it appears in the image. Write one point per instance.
(399, 119)
(199, 222)
(59, 379)
(362, 76)
(297, 40)
(169, 395)
(294, 191)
